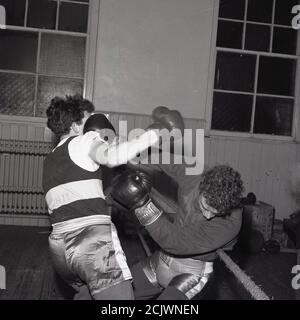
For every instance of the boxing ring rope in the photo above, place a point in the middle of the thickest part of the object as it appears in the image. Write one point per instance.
(241, 276)
(170, 206)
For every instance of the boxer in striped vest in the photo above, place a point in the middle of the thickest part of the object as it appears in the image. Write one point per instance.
(84, 244)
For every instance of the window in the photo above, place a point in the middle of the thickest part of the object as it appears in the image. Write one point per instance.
(256, 62)
(42, 53)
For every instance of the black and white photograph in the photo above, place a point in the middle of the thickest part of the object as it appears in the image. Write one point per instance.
(149, 151)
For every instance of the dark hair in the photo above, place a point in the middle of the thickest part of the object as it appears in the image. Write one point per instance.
(62, 112)
(222, 188)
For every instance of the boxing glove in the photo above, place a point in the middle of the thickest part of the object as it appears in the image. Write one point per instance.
(188, 284)
(164, 118)
(172, 122)
(130, 189)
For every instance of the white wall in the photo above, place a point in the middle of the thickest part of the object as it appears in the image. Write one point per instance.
(153, 52)
(266, 166)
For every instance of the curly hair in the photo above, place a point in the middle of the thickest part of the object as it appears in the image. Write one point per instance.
(222, 188)
(62, 112)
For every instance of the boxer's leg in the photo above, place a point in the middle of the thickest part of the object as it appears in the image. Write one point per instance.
(120, 291)
(57, 249)
(144, 289)
(190, 278)
(95, 255)
(172, 293)
(83, 293)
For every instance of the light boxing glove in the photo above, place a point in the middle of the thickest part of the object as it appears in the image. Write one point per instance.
(131, 190)
(191, 284)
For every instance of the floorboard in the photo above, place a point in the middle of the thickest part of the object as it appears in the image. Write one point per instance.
(30, 276)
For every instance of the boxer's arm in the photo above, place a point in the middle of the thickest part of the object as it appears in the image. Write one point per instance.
(178, 172)
(121, 153)
(197, 236)
(194, 238)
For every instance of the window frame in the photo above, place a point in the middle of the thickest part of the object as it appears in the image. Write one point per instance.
(295, 132)
(90, 57)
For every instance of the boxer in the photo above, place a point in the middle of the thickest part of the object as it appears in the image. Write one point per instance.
(84, 244)
(208, 217)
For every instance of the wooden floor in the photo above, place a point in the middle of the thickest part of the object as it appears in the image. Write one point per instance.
(30, 276)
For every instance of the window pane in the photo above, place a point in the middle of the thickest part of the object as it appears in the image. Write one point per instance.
(260, 10)
(49, 87)
(73, 17)
(15, 11)
(230, 34)
(62, 55)
(283, 11)
(285, 40)
(277, 76)
(42, 14)
(18, 50)
(273, 116)
(257, 37)
(232, 112)
(235, 71)
(232, 9)
(17, 94)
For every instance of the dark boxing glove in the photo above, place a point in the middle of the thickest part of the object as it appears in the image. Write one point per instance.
(130, 190)
(164, 118)
(170, 120)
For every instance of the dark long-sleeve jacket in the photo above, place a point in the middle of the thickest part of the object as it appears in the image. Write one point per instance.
(190, 233)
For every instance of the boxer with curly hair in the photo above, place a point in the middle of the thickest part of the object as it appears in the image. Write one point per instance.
(207, 217)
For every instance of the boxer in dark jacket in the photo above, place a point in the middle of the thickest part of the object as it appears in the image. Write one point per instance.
(207, 218)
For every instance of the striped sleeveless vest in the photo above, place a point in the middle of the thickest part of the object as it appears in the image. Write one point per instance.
(71, 191)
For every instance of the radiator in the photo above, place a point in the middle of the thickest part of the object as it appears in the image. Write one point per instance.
(21, 172)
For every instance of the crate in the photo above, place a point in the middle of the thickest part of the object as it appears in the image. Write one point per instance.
(259, 216)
